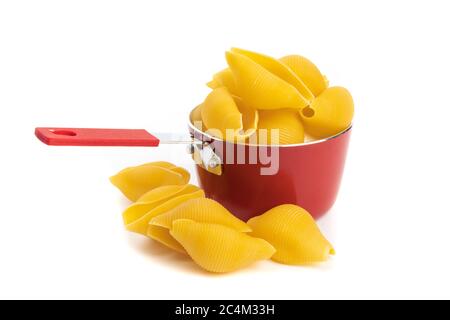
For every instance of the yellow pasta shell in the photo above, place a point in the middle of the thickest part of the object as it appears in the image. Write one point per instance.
(260, 88)
(308, 72)
(225, 116)
(183, 172)
(279, 69)
(153, 199)
(293, 233)
(162, 235)
(162, 164)
(217, 248)
(196, 118)
(201, 210)
(330, 113)
(140, 225)
(135, 181)
(288, 123)
(250, 118)
(220, 112)
(225, 79)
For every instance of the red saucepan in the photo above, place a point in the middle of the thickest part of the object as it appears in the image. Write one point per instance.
(246, 179)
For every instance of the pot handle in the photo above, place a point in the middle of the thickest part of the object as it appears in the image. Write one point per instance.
(96, 137)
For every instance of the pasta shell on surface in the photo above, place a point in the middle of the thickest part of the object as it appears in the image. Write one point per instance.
(329, 114)
(183, 172)
(162, 164)
(162, 235)
(279, 69)
(224, 78)
(153, 199)
(260, 88)
(308, 72)
(170, 166)
(140, 225)
(288, 123)
(201, 210)
(224, 118)
(217, 248)
(294, 234)
(135, 181)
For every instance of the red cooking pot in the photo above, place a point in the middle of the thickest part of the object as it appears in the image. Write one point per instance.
(247, 179)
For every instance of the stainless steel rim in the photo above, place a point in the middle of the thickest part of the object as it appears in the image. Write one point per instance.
(192, 127)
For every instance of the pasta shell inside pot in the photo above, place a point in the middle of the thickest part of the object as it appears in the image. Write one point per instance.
(278, 127)
(260, 88)
(330, 113)
(227, 117)
(308, 72)
(279, 69)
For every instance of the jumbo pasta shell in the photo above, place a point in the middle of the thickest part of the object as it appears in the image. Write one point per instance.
(220, 112)
(162, 164)
(250, 119)
(330, 113)
(154, 198)
(279, 69)
(293, 233)
(140, 225)
(224, 78)
(201, 210)
(278, 127)
(308, 72)
(217, 248)
(162, 235)
(225, 119)
(135, 181)
(196, 118)
(260, 88)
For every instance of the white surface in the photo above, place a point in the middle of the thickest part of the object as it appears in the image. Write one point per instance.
(144, 64)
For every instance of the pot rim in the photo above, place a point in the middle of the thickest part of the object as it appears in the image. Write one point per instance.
(210, 137)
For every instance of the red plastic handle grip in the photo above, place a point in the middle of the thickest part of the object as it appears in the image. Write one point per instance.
(96, 137)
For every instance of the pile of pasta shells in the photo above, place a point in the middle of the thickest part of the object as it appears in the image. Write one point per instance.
(176, 214)
(258, 95)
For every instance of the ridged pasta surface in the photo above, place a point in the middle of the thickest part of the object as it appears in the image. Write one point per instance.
(154, 198)
(282, 126)
(279, 69)
(201, 210)
(220, 112)
(217, 248)
(260, 88)
(293, 233)
(330, 113)
(227, 117)
(136, 181)
(162, 235)
(308, 72)
(225, 79)
(140, 225)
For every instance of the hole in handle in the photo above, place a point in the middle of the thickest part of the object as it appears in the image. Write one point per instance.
(64, 133)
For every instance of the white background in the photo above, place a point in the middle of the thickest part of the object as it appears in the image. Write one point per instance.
(143, 64)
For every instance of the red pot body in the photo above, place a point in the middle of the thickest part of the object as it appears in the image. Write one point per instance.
(309, 175)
